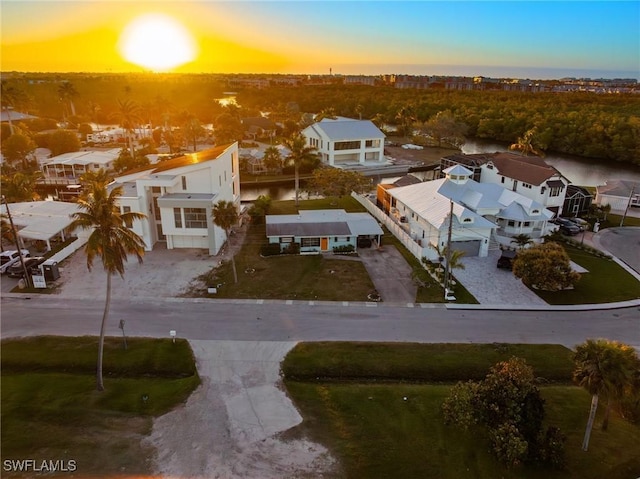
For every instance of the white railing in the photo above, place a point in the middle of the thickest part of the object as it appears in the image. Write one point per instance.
(69, 249)
(414, 248)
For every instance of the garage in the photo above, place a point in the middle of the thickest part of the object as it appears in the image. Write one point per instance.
(470, 248)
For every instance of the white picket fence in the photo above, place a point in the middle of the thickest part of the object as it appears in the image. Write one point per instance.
(416, 250)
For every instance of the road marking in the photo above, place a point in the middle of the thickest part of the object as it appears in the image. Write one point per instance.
(345, 303)
(410, 305)
(371, 305)
(289, 301)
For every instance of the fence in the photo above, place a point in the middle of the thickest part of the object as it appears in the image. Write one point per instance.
(414, 248)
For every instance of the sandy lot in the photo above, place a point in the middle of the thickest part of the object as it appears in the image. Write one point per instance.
(229, 427)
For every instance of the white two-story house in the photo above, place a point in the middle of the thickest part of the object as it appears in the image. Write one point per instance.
(530, 176)
(177, 196)
(346, 142)
(482, 213)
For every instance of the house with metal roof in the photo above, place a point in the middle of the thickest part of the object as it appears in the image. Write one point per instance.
(346, 142)
(481, 213)
(620, 194)
(177, 196)
(320, 231)
(70, 166)
(529, 176)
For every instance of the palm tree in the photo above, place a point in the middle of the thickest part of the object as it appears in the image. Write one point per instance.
(606, 368)
(67, 92)
(110, 240)
(225, 215)
(128, 117)
(299, 153)
(20, 186)
(272, 160)
(193, 130)
(11, 97)
(521, 240)
(525, 144)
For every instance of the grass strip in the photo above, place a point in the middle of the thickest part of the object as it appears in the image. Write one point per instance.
(415, 362)
(143, 357)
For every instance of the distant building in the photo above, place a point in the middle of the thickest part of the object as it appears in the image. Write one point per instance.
(345, 141)
(618, 194)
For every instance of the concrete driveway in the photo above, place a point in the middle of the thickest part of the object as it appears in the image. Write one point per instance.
(390, 273)
(491, 285)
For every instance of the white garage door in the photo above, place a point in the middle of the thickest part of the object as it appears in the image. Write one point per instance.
(191, 241)
(470, 248)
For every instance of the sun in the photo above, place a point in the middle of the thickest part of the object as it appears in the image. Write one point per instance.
(158, 42)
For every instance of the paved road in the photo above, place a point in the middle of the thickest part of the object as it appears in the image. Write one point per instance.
(309, 321)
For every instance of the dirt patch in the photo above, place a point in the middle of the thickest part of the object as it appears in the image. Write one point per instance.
(231, 426)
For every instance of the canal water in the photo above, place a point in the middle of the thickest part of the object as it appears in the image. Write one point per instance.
(580, 171)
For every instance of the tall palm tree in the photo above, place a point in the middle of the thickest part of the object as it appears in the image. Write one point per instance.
(110, 240)
(10, 98)
(299, 153)
(225, 215)
(128, 117)
(67, 93)
(606, 368)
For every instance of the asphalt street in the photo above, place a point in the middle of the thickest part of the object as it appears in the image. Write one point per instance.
(253, 320)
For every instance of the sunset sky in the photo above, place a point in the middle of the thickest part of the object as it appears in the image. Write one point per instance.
(509, 38)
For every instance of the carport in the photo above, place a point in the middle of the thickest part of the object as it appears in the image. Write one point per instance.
(42, 220)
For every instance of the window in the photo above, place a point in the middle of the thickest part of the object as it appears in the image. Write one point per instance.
(555, 191)
(156, 208)
(467, 220)
(502, 180)
(511, 223)
(341, 238)
(542, 190)
(372, 143)
(184, 183)
(156, 189)
(128, 222)
(346, 145)
(527, 224)
(177, 217)
(195, 218)
(489, 166)
(307, 242)
(535, 212)
(286, 239)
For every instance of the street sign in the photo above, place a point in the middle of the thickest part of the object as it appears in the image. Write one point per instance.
(39, 281)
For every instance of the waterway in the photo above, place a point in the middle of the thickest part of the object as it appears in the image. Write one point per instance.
(580, 171)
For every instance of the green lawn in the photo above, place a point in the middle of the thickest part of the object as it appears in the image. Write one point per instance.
(606, 282)
(51, 410)
(375, 432)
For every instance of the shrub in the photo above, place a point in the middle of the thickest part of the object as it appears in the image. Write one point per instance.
(293, 248)
(270, 249)
(348, 248)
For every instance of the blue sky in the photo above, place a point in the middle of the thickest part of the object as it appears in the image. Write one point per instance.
(367, 36)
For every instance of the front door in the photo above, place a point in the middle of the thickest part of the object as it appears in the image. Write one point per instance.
(324, 244)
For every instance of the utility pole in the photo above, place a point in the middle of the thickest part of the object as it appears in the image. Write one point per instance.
(448, 252)
(27, 278)
(633, 189)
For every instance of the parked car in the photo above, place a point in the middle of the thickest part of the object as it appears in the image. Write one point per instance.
(31, 264)
(567, 227)
(505, 261)
(8, 258)
(580, 223)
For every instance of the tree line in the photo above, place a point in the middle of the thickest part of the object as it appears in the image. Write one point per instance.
(584, 124)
